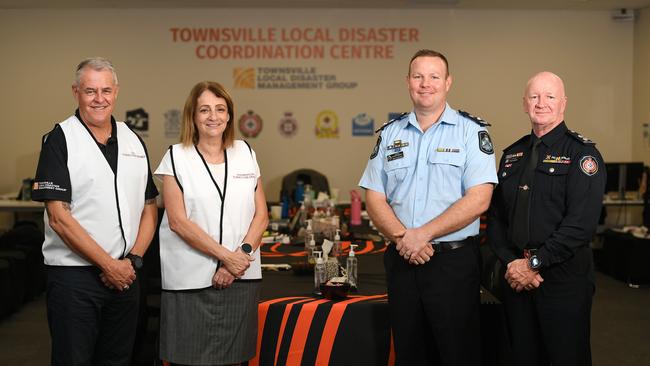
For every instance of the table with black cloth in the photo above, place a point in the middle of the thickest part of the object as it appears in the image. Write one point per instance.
(624, 257)
(299, 328)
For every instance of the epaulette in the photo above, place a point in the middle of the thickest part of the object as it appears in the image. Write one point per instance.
(391, 121)
(478, 120)
(579, 137)
(517, 142)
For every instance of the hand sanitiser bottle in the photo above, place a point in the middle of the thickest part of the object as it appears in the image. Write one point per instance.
(351, 267)
(336, 248)
(319, 272)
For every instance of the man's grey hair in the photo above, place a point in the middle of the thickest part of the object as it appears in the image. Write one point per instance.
(97, 64)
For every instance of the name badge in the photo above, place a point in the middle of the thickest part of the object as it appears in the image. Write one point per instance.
(395, 156)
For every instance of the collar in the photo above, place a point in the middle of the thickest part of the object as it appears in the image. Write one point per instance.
(111, 139)
(448, 116)
(552, 136)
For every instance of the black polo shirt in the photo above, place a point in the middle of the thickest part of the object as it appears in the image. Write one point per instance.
(52, 172)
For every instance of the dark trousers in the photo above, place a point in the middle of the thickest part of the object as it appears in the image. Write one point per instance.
(89, 323)
(551, 324)
(435, 307)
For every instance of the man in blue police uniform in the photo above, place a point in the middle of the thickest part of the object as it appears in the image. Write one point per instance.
(542, 217)
(429, 177)
(93, 175)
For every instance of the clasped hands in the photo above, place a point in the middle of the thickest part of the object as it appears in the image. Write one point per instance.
(232, 266)
(413, 245)
(119, 274)
(521, 277)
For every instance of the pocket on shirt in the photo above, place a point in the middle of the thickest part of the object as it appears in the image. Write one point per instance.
(553, 181)
(447, 167)
(396, 171)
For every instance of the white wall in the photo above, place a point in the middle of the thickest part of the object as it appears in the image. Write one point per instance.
(491, 54)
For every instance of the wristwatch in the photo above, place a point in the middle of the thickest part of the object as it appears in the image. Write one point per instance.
(246, 248)
(136, 260)
(534, 262)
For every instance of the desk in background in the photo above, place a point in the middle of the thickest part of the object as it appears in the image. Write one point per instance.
(624, 257)
(7, 205)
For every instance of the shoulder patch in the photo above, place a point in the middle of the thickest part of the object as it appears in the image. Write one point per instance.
(589, 165)
(375, 150)
(391, 121)
(478, 120)
(516, 142)
(485, 143)
(579, 137)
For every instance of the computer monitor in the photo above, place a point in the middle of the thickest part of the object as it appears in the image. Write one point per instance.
(623, 177)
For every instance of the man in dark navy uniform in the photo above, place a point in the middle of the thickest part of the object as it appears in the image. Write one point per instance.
(542, 216)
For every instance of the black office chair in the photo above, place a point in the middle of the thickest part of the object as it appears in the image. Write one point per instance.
(317, 180)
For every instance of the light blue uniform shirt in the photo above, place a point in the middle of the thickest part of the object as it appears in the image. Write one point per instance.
(433, 171)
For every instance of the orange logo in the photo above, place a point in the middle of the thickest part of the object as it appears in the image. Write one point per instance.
(244, 78)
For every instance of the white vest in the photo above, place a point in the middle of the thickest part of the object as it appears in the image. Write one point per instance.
(184, 267)
(100, 200)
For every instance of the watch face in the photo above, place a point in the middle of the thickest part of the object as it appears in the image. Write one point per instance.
(247, 248)
(535, 262)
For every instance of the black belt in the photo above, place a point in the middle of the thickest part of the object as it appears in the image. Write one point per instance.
(445, 246)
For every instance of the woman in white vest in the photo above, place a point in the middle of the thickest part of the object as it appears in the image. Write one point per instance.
(215, 214)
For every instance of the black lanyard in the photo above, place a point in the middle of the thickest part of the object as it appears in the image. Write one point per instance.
(222, 194)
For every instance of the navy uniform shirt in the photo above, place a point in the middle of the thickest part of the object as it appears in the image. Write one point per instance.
(423, 173)
(566, 197)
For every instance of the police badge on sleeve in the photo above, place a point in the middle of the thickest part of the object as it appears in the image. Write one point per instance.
(485, 143)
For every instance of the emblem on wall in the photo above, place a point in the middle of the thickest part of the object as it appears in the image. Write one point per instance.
(243, 77)
(363, 125)
(250, 124)
(138, 120)
(288, 125)
(173, 123)
(327, 125)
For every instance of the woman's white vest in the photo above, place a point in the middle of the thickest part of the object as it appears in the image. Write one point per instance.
(182, 266)
(107, 206)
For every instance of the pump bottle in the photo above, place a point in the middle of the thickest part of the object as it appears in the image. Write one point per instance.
(319, 272)
(351, 267)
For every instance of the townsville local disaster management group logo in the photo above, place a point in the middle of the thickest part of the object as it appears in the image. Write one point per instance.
(244, 77)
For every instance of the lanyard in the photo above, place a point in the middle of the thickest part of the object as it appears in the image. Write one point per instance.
(222, 194)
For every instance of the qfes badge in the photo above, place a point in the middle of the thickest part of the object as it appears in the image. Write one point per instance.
(589, 165)
(250, 124)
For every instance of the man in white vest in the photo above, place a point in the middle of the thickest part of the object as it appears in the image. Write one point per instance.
(93, 175)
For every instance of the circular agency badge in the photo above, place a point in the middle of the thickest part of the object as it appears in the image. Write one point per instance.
(327, 124)
(589, 165)
(250, 124)
(288, 125)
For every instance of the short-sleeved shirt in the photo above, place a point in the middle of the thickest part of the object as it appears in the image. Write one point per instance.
(423, 173)
(53, 164)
